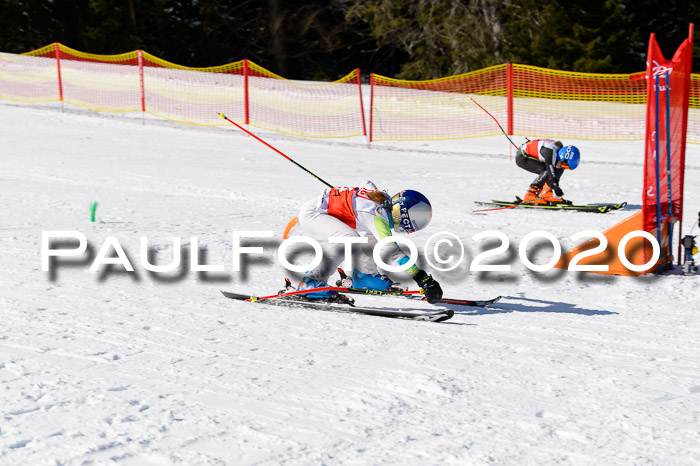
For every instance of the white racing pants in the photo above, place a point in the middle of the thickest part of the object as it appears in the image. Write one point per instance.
(321, 226)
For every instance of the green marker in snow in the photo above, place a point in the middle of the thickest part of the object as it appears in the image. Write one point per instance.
(93, 209)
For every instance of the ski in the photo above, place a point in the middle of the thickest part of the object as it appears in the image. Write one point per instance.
(413, 294)
(346, 282)
(457, 302)
(594, 208)
(296, 301)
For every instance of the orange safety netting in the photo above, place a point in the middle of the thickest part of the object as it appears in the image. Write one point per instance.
(525, 100)
(693, 135)
(565, 105)
(439, 108)
(139, 81)
(282, 105)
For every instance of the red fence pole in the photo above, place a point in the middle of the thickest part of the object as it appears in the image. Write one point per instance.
(509, 79)
(362, 108)
(143, 90)
(245, 91)
(371, 103)
(57, 48)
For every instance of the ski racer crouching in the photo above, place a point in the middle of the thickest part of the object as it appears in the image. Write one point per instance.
(548, 159)
(345, 212)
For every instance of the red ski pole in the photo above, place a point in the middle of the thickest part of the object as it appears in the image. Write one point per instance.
(494, 119)
(506, 207)
(224, 117)
(495, 208)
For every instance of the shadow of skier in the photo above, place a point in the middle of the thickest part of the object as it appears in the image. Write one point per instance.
(544, 306)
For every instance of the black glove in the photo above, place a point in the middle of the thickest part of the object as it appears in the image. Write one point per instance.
(433, 292)
(557, 190)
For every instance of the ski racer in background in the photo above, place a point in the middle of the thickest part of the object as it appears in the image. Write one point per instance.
(548, 159)
(346, 212)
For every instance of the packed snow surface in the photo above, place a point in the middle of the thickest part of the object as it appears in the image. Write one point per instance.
(159, 368)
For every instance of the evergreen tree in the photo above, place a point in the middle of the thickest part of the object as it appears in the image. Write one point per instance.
(440, 37)
(575, 35)
(669, 21)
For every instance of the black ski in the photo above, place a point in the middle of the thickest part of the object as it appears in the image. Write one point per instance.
(418, 294)
(289, 292)
(461, 302)
(295, 301)
(595, 208)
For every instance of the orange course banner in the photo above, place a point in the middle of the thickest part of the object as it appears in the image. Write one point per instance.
(667, 113)
(626, 249)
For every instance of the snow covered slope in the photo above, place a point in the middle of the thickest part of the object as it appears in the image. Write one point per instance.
(148, 368)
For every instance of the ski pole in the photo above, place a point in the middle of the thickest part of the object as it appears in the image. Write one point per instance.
(494, 119)
(224, 117)
(506, 207)
(495, 208)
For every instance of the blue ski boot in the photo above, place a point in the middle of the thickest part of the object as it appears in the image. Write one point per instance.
(328, 296)
(308, 283)
(375, 281)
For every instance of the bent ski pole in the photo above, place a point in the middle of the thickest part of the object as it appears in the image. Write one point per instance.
(224, 117)
(494, 119)
(506, 207)
(495, 208)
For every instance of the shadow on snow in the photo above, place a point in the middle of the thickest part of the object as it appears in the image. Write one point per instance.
(543, 306)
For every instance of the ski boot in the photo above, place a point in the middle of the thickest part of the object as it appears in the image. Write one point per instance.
(373, 281)
(328, 296)
(548, 196)
(532, 196)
